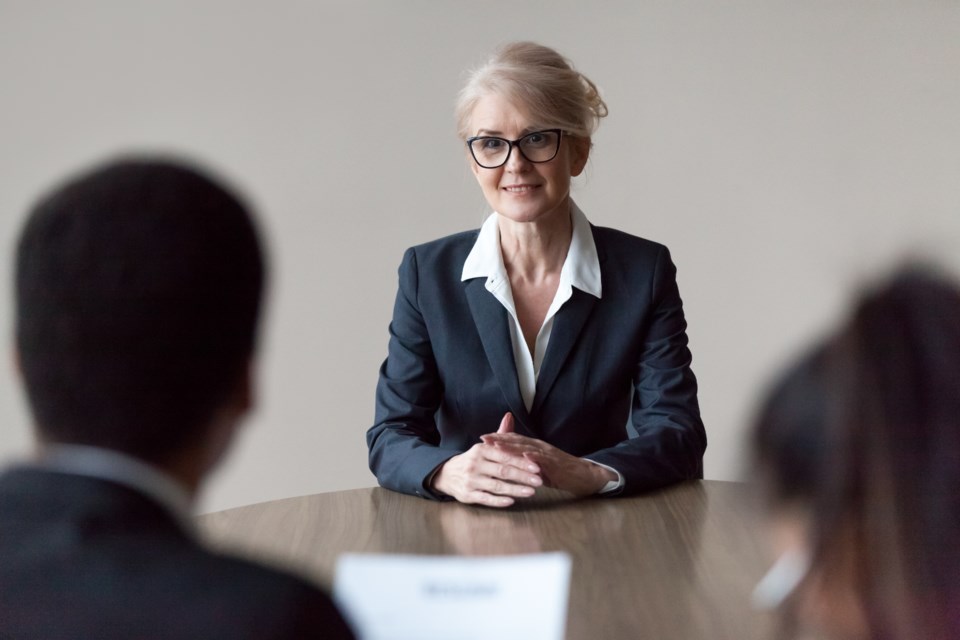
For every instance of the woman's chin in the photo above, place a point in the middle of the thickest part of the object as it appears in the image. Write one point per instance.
(529, 214)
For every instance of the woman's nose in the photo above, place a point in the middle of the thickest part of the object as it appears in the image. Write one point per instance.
(517, 163)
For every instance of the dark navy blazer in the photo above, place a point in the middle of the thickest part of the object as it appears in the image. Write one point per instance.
(87, 558)
(450, 375)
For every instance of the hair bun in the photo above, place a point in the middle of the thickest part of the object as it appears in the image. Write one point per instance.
(540, 80)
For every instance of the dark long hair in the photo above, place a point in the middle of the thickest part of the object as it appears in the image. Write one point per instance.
(864, 435)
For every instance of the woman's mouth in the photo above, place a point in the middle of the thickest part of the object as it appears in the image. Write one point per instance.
(520, 188)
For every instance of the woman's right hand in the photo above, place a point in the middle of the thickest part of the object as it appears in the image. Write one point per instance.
(489, 475)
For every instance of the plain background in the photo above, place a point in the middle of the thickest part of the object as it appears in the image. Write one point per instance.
(785, 151)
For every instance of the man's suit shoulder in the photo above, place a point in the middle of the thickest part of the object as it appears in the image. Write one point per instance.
(60, 533)
(279, 603)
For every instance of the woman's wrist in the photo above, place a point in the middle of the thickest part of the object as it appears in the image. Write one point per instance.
(601, 475)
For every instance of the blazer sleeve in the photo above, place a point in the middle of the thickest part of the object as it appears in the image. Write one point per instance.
(670, 439)
(403, 442)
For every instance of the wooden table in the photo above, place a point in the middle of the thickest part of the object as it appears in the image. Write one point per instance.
(673, 564)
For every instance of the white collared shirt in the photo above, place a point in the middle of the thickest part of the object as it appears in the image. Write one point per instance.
(106, 464)
(581, 269)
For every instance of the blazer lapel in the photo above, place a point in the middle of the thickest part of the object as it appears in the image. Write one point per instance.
(491, 320)
(567, 325)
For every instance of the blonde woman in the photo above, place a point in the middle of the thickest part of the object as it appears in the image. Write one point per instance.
(520, 352)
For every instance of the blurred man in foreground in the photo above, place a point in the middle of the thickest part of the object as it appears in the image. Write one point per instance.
(138, 293)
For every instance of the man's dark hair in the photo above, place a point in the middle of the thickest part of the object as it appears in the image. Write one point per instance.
(138, 288)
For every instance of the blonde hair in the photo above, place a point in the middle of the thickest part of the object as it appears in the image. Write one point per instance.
(541, 81)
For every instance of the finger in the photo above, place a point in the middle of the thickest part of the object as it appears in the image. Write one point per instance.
(555, 460)
(506, 425)
(514, 450)
(509, 455)
(488, 461)
(510, 473)
(512, 437)
(488, 500)
(494, 449)
(498, 487)
(506, 440)
(540, 459)
(518, 445)
(499, 452)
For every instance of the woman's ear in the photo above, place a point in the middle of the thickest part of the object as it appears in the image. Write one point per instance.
(474, 167)
(579, 154)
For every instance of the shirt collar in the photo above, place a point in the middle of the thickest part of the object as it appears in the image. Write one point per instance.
(113, 466)
(582, 263)
(581, 268)
(485, 259)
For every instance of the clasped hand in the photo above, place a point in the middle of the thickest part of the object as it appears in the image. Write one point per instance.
(505, 466)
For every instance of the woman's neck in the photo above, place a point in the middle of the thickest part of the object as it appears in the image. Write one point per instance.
(535, 250)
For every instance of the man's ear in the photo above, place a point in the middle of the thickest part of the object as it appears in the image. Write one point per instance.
(241, 399)
(246, 391)
(223, 429)
(15, 358)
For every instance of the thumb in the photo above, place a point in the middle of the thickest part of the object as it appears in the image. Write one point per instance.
(506, 425)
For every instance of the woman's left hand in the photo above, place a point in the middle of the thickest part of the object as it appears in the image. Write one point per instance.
(559, 469)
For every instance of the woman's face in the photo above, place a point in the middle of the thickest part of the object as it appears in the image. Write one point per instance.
(521, 190)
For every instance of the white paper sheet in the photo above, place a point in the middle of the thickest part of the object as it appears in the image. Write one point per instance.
(399, 597)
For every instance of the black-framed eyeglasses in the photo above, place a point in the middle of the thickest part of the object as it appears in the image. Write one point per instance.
(491, 152)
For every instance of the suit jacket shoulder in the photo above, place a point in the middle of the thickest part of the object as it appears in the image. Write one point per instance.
(455, 244)
(624, 248)
(81, 557)
(442, 258)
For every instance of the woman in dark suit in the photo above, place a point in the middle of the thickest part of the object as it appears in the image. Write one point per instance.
(519, 353)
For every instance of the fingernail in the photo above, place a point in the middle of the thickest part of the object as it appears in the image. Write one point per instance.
(528, 491)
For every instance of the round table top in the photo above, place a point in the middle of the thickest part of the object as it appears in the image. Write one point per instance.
(676, 563)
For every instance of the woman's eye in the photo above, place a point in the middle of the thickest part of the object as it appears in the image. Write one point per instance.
(492, 144)
(535, 140)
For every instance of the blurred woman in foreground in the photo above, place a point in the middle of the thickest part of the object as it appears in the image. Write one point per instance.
(859, 449)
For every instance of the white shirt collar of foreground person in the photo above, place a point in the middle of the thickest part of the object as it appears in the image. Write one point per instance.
(113, 466)
(581, 269)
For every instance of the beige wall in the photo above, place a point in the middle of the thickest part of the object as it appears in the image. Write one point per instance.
(781, 150)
